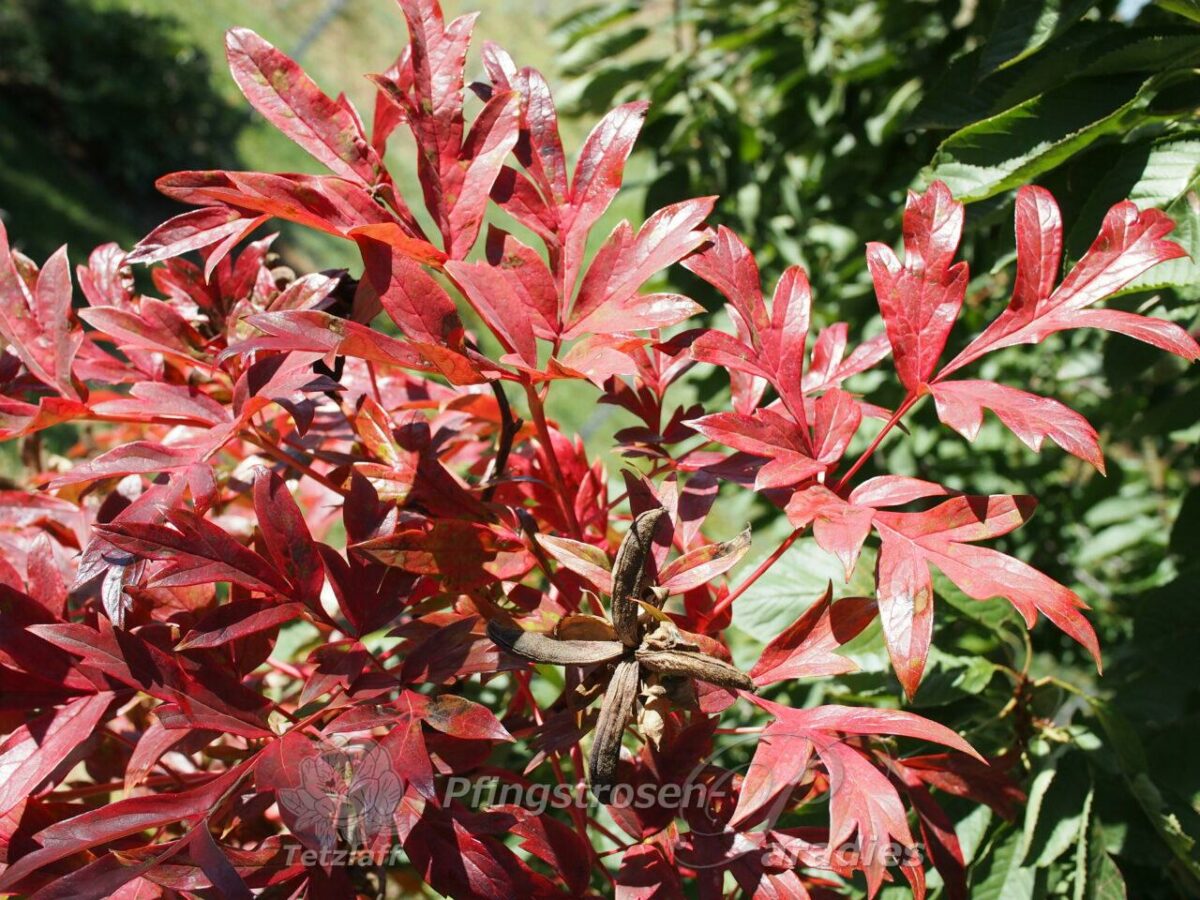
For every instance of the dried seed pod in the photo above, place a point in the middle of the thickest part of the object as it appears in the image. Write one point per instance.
(615, 712)
(695, 665)
(543, 648)
(629, 574)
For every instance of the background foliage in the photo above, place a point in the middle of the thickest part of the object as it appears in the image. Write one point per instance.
(811, 120)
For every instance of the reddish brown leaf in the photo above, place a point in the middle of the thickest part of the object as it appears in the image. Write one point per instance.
(279, 89)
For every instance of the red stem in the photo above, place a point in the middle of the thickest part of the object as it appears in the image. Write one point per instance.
(537, 410)
(866, 454)
(727, 602)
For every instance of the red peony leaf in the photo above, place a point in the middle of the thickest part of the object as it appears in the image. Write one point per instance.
(1130, 242)
(194, 230)
(647, 874)
(31, 752)
(134, 458)
(608, 301)
(960, 404)
(501, 302)
(236, 620)
(290, 547)
(583, 559)
(36, 320)
(278, 88)
(197, 552)
(119, 819)
(839, 527)
(462, 718)
(942, 536)
(598, 175)
(920, 299)
(702, 565)
(807, 648)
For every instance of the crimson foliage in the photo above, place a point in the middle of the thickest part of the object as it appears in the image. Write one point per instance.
(258, 422)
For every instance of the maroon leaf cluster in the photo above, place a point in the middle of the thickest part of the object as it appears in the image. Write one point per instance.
(277, 560)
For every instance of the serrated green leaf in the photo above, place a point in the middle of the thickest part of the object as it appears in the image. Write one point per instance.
(1025, 26)
(1082, 842)
(1053, 824)
(1014, 147)
(1166, 822)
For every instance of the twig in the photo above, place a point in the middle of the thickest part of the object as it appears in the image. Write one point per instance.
(509, 427)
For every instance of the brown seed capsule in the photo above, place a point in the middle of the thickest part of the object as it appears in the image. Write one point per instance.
(695, 665)
(615, 712)
(629, 574)
(543, 648)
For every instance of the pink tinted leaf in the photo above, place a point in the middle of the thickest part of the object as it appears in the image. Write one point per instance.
(1130, 242)
(601, 165)
(942, 536)
(1039, 249)
(839, 527)
(867, 721)
(960, 404)
(492, 136)
(279, 89)
(500, 302)
(529, 278)
(702, 565)
(863, 801)
(411, 297)
(136, 458)
(838, 416)
(920, 299)
(895, 490)
(763, 433)
(1163, 335)
(583, 559)
(904, 592)
(193, 230)
(807, 647)
(626, 261)
(729, 266)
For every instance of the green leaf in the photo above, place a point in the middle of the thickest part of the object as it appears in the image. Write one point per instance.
(1000, 875)
(1025, 26)
(1082, 839)
(950, 678)
(1014, 147)
(1053, 825)
(1166, 822)
(1104, 879)
(1187, 8)
(590, 20)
